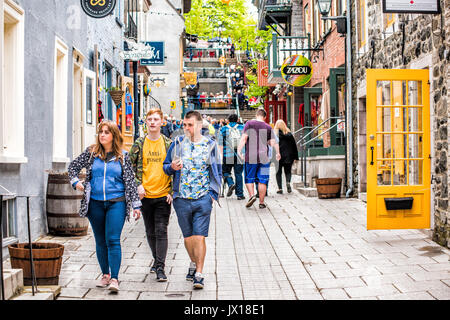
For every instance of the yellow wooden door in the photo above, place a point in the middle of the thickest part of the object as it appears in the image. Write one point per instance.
(398, 149)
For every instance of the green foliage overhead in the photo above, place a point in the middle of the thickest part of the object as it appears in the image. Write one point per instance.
(234, 21)
(206, 16)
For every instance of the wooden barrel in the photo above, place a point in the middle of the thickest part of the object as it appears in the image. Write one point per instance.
(63, 206)
(47, 258)
(328, 188)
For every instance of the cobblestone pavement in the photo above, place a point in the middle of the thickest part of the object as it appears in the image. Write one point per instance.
(297, 248)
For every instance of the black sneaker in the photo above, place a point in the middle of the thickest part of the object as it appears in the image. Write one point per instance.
(230, 190)
(241, 198)
(251, 201)
(153, 269)
(191, 274)
(289, 189)
(262, 206)
(198, 283)
(160, 275)
(280, 191)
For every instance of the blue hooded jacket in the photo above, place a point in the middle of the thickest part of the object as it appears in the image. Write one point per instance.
(215, 167)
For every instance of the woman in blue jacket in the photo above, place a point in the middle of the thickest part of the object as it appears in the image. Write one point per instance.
(110, 192)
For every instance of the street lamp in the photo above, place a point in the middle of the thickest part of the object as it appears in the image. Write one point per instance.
(324, 7)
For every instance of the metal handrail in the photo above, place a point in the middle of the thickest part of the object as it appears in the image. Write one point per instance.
(317, 137)
(304, 145)
(317, 127)
(301, 129)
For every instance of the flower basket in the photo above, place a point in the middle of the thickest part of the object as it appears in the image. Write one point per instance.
(116, 95)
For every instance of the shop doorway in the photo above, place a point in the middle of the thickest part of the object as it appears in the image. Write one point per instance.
(398, 149)
(77, 92)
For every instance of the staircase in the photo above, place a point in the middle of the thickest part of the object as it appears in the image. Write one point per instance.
(15, 290)
(248, 114)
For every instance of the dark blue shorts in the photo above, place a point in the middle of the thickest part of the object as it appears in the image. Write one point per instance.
(257, 172)
(193, 215)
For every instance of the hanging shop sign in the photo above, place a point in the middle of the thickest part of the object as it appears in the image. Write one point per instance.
(148, 53)
(190, 78)
(297, 70)
(411, 6)
(98, 8)
(222, 61)
(155, 51)
(173, 104)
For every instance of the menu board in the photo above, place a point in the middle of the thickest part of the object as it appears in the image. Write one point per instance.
(411, 6)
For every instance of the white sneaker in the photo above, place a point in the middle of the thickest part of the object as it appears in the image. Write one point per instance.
(114, 285)
(104, 281)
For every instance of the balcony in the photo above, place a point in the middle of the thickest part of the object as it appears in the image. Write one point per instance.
(274, 12)
(208, 73)
(281, 48)
(131, 29)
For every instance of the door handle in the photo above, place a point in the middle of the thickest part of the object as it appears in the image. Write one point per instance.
(371, 161)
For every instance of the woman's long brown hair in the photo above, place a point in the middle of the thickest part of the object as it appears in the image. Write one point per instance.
(117, 143)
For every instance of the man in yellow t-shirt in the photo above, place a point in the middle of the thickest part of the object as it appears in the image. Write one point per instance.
(154, 187)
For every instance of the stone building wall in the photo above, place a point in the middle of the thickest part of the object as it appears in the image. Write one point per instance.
(425, 38)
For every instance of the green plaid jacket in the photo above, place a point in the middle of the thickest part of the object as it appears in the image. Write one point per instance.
(136, 157)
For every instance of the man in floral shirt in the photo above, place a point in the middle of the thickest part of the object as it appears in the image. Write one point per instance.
(194, 161)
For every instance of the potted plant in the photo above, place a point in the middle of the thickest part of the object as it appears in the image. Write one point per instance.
(116, 94)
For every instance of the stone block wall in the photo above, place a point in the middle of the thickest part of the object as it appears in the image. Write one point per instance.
(423, 35)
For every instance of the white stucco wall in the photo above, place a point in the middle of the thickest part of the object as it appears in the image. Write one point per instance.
(167, 28)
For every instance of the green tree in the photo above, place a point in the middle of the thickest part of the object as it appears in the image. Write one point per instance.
(207, 16)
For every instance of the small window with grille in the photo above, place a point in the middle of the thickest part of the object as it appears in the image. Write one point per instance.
(9, 209)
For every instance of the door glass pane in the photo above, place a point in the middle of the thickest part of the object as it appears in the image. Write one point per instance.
(383, 119)
(415, 93)
(384, 146)
(415, 172)
(399, 93)
(89, 89)
(399, 115)
(383, 93)
(414, 119)
(399, 146)
(399, 168)
(415, 146)
(384, 173)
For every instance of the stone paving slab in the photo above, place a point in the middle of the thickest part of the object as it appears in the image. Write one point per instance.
(298, 248)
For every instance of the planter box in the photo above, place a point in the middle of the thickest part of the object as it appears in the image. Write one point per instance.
(329, 188)
(47, 258)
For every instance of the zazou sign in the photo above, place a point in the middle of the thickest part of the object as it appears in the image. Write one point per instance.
(296, 70)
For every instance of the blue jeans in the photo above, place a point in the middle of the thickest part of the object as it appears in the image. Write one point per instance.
(107, 219)
(238, 168)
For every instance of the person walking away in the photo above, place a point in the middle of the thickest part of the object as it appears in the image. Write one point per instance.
(229, 138)
(110, 192)
(289, 153)
(166, 127)
(147, 156)
(232, 49)
(194, 161)
(257, 137)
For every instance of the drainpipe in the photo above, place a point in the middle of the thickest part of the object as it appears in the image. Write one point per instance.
(349, 99)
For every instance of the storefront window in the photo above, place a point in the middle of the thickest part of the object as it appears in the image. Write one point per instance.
(316, 115)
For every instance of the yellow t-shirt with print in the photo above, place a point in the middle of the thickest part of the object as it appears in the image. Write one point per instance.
(155, 182)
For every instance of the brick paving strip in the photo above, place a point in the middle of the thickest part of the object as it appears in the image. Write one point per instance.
(298, 248)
